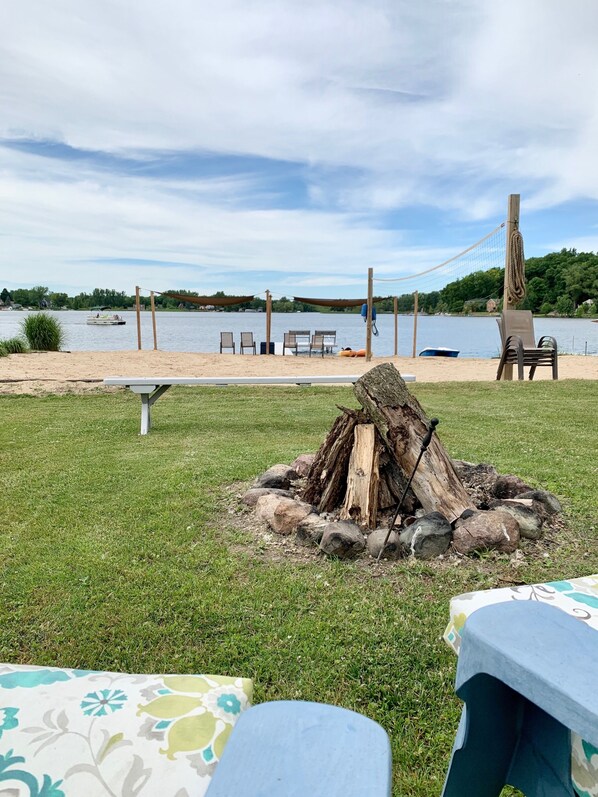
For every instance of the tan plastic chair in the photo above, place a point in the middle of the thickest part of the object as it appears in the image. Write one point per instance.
(329, 336)
(302, 339)
(290, 342)
(247, 342)
(227, 341)
(519, 345)
(317, 344)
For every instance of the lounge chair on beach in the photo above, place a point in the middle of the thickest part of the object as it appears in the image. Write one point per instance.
(519, 345)
(227, 341)
(247, 341)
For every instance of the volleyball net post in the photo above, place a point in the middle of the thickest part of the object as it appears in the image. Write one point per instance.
(368, 332)
(154, 329)
(138, 313)
(396, 319)
(513, 207)
(415, 309)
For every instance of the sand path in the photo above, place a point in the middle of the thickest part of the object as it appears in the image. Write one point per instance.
(59, 372)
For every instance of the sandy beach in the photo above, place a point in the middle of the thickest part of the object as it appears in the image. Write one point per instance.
(76, 372)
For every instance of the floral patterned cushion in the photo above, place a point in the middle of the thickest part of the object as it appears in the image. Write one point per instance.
(66, 733)
(579, 598)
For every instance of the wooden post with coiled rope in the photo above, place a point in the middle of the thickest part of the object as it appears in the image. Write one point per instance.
(510, 295)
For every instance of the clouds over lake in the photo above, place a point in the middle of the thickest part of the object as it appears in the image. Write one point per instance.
(252, 145)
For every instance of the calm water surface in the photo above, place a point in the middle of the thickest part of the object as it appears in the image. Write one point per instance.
(200, 332)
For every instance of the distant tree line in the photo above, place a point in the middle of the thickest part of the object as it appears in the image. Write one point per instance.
(565, 283)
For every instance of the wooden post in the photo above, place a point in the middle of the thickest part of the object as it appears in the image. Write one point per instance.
(396, 311)
(153, 306)
(512, 226)
(138, 309)
(415, 300)
(268, 320)
(368, 326)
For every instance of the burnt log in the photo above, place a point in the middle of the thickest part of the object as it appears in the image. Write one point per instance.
(392, 483)
(327, 479)
(402, 424)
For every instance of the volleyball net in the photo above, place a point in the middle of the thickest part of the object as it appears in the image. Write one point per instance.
(482, 263)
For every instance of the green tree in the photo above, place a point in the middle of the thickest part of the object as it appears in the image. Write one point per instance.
(39, 295)
(58, 300)
(564, 305)
(581, 279)
(536, 290)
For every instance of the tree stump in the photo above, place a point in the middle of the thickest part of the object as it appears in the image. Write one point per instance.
(402, 424)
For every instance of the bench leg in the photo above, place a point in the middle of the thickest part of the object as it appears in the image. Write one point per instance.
(145, 413)
(147, 399)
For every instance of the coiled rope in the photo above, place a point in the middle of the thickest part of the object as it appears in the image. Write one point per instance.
(516, 270)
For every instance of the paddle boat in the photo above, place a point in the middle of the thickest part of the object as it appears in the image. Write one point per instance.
(438, 351)
(101, 319)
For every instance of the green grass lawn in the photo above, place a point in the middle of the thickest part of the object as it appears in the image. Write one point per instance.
(117, 551)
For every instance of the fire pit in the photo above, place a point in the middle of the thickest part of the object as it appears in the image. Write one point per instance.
(382, 484)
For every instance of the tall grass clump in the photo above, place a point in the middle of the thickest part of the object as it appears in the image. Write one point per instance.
(3, 350)
(43, 332)
(16, 345)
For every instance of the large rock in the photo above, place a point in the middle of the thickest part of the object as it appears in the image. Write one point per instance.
(311, 529)
(375, 542)
(302, 465)
(342, 539)
(510, 487)
(550, 502)
(530, 524)
(283, 515)
(427, 538)
(486, 530)
(279, 476)
(251, 496)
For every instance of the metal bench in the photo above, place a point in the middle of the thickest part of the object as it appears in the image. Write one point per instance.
(151, 388)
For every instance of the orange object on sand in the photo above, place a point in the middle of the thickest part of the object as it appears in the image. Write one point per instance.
(351, 353)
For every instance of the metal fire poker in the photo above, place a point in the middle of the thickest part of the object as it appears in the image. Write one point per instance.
(425, 443)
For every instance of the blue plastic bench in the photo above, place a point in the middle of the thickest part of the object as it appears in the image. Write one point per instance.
(528, 674)
(296, 749)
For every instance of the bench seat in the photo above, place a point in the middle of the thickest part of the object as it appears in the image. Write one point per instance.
(150, 388)
(76, 732)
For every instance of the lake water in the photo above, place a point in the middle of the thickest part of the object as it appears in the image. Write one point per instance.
(200, 331)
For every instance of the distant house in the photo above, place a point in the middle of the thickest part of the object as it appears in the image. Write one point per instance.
(491, 306)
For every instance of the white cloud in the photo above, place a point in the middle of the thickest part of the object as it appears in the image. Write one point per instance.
(450, 105)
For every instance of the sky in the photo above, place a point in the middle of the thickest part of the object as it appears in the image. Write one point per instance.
(288, 145)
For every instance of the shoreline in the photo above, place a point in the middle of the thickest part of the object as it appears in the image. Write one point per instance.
(81, 372)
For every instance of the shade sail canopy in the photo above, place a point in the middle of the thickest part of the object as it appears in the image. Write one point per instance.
(335, 302)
